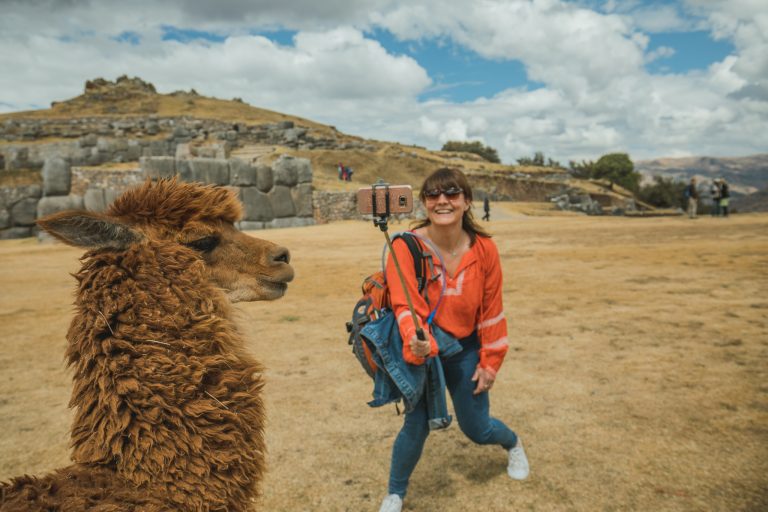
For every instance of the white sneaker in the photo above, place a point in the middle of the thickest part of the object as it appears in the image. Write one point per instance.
(392, 503)
(517, 468)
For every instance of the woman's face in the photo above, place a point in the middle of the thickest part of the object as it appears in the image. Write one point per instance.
(445, 207)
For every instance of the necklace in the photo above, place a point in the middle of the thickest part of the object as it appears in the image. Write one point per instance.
(455, 250)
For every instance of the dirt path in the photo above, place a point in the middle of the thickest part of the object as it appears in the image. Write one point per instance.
(637, 374)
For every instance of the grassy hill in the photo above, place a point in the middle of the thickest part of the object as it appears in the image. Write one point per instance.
(394, 162)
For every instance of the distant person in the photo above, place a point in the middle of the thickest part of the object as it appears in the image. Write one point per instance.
(692, 194)
(472, 312)
(487, 209)
(725, 196)
(714, 192)
(341, 171)
(349, 173)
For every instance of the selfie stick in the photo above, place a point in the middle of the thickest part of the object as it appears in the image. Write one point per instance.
(381, 222)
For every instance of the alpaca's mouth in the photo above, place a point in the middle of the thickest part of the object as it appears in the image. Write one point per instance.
(276, 286)
(259, 289)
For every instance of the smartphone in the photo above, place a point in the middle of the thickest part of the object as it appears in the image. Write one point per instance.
(399, 197)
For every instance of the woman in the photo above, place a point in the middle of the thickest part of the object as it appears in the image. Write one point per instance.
(471, 310)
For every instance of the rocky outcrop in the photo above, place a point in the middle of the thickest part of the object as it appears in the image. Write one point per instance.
(577, 200)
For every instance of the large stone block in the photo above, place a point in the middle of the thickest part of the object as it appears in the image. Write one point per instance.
(213, 150)
(183, 151)
(290, 222)
(49, 205)
(95, 200)
(56, 177)
(302, 199)
(95, 157)
(158, 148)
(16, 158)
(206, 170)
(258, 206)
(303, 170)
(264, 178)
(133, 151)
(105, 145)
(24, 212)
(181, 132)
(16, 232)
(11, 195)
(282, 202)
(249, 225)
(241, 173)
(5, 218)
(286, 170)
(158, 166)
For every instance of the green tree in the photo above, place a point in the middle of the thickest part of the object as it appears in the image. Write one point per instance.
(619, 169)
(476, 147)
(583, 170)
(664, 193)
(538, 160)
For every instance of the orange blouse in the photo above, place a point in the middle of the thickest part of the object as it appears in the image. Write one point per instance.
(472, 301)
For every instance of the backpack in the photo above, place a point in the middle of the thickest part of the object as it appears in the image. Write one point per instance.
(374, 302)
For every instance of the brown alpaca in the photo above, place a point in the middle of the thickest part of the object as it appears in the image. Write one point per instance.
(168, 414)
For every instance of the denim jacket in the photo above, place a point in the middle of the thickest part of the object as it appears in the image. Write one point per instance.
(397, 379)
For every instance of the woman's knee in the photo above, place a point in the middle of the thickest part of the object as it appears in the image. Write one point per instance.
(479, 432)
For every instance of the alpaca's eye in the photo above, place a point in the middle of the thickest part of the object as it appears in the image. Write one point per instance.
(205, 244)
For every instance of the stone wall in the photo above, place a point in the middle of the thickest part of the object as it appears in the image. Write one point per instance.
(162, 134)
(273, 196)
(18, 210)
(334, 206)
(514, 188)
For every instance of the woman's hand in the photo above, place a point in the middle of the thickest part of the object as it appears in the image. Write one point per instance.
(419, 348)
(484, 380)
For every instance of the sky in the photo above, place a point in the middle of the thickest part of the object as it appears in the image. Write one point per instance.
(572, 79)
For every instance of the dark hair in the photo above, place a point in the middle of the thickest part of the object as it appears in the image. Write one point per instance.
(445, 178)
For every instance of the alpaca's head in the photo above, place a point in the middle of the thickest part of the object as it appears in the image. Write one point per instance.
(190, 218)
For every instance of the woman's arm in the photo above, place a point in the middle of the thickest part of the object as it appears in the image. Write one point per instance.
(492, 324)
(400, 304)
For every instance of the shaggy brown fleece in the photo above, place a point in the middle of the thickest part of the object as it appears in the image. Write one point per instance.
(168, 408)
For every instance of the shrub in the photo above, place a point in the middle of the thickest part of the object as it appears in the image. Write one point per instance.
(664, 193)
(476, 147)
(538, 161)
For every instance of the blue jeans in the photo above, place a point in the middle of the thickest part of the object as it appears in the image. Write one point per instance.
(472, 413)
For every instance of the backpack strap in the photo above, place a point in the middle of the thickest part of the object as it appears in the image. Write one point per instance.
(419, 261)
(423, 263)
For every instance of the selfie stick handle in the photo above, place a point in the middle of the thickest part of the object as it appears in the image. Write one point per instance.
(381, 222)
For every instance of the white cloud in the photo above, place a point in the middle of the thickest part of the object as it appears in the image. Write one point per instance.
(596, 95)
(454, 129)
(662, 52)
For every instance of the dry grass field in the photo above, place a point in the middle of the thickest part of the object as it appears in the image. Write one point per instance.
(637, 374)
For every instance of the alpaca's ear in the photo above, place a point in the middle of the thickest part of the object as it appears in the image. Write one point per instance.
(88, 230)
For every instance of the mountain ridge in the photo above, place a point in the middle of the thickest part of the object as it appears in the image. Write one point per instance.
(746, 174)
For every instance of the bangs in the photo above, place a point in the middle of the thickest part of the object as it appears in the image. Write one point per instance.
(444, 179)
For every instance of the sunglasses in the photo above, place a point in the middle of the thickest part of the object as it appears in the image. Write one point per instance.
(450, 193)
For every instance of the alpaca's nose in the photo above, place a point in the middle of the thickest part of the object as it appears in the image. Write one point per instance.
(281, 255)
